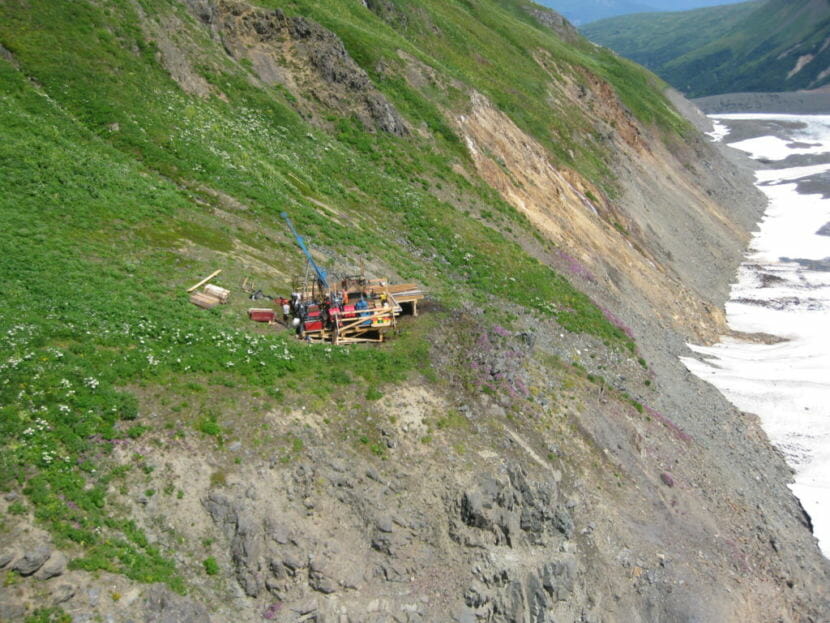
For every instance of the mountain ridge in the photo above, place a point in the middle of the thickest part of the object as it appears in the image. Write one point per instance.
(582, 13)
(755, 46)
(529, 448)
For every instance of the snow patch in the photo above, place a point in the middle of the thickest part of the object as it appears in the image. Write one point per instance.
(783, 288)
(720, 131)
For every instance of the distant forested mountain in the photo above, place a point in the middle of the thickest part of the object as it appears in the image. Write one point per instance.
(582, 12)
(776, 45)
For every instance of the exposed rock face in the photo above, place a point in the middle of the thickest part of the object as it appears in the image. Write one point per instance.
(556, 22)
(387, 11)
(161, 605)
(301, 55)
(246, 539)
(280, 555)
(569, 210)
(525, 517)
(513, 512)
(6, 557)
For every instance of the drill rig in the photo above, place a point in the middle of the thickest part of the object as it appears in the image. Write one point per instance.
(353, 310)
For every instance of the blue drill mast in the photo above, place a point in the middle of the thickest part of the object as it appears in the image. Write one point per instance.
(321, 273)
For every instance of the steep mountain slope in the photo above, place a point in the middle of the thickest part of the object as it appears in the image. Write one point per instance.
(513, 455)
(587, 11)
(776, 45)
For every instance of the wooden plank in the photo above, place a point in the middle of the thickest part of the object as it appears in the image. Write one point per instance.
(205, 280)
(364, 330)
(358, 340)
(396, 308)
(409, 294)
(396, 288)
(352, 324)
(205, 301)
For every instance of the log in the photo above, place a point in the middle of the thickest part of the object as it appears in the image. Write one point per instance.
(221, 293)
(205, 280)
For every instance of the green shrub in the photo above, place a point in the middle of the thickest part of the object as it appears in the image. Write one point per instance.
(17, 508)
(49, 615)
(373, 394)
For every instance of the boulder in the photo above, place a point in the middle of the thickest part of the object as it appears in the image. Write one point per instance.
(32, 560)
(53, 567)
(63, 593)
(6, 556)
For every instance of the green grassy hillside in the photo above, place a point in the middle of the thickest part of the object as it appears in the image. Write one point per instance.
(120, 189)
(756, 46)
(654, 39)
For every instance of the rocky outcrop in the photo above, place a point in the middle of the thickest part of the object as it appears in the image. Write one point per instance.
(161, 605)
(513, 512)
(508, 557)
(302, 56)
(53, 567)
(527, 517)
(387, 11)
(246, 540)
(506, 597)
(553, 20)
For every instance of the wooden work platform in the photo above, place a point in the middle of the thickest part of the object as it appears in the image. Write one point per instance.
(354, 310)
(399, 294)
(405, 294)
(363, 326)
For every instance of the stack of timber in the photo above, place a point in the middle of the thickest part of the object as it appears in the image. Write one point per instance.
(211, 295)
(220, 293)
(205, 301)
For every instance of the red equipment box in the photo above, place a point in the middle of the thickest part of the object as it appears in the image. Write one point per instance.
(261, 314)
(313, 325)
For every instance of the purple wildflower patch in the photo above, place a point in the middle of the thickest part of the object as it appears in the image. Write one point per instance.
(614, 320)
(674, 428)
(575, 268)
(272, 611)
